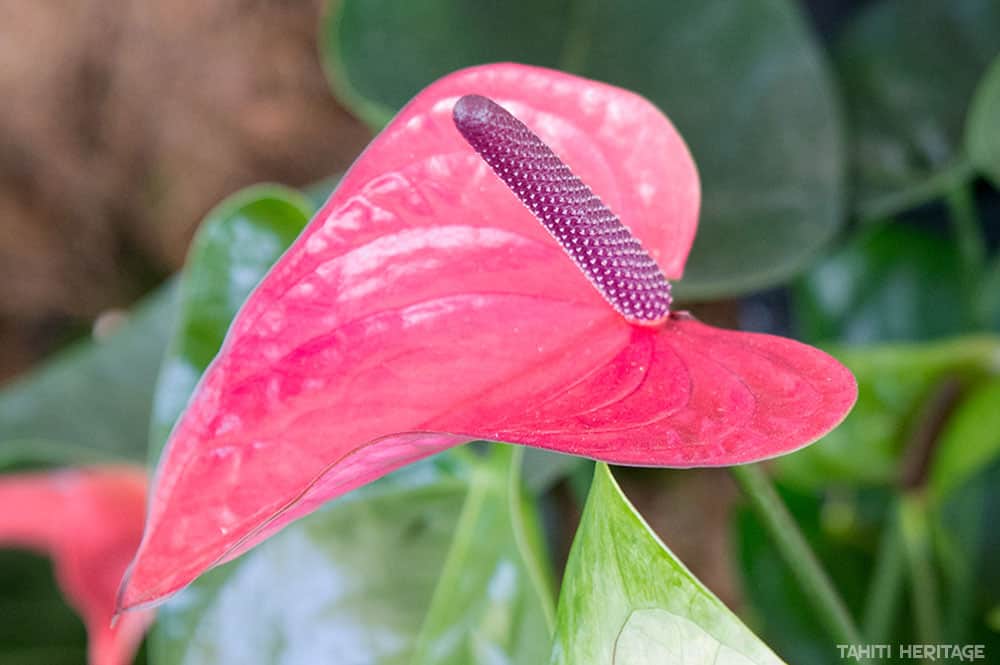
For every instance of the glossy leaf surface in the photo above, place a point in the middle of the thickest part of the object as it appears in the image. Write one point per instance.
(89, 521)
(909, 69)
(424, 307)
(894, 380)
(982, 134)
(369, 566)
(55, 415)
(627, 600)
(744, 83)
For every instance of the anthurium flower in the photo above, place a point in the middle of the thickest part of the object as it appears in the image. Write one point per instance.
(90, 522)
(425, 306)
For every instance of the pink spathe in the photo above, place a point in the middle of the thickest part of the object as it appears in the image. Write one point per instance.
(89, 521)
(425, 307)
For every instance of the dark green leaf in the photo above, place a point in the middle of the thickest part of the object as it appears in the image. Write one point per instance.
(744, 83)
(894, 381)
(627, 600)
(982, 132)
(890, 283)
(380, 53)
(909, 68)
(92, 402)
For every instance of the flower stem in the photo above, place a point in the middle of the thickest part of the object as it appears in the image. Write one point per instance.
(796, 552)
(935, 186)
(987, 304)
(916, 547)
(965, 225)
(887, 582)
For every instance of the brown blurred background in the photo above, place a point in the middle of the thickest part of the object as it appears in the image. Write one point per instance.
(123, 123)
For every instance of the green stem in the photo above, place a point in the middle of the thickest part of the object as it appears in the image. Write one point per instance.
(886, 584)
(965, 224)
(916, 546)
(935, 186)
(797, 554)
(988, 305)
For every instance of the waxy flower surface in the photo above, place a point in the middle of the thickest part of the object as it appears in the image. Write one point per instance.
(90, 522)
(425, 306)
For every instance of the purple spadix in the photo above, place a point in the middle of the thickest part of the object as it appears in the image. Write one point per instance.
(601, 246)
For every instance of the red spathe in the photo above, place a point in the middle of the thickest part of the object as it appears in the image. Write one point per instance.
(89, 521)
(425, 307)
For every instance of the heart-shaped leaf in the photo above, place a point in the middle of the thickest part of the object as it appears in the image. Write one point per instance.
(91, 403)
(627, 600)
(982, 132)
(425, 307)
(909, 68)
(745, 84)
(89, 521)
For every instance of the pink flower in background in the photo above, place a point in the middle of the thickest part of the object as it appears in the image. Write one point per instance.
(90, 522)
(425, 306)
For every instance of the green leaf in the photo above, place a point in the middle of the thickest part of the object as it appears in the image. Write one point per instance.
(909, 68)
(627, 600)
(893, 382)
(982, 132)
(889, 283)
(970, 440)
(744, 83)
(236, 244)
(380, 53)
(361, 576)
(91, 403)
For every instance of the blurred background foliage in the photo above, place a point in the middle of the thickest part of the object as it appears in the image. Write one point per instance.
(850, 157)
